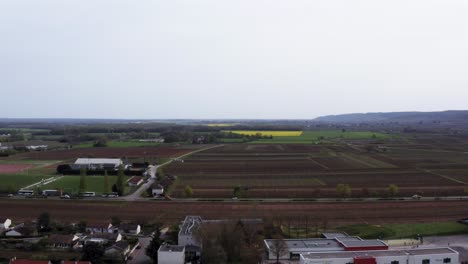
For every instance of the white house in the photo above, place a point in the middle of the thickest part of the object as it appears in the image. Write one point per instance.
(5, 223)
(169, 254)
(157, 189)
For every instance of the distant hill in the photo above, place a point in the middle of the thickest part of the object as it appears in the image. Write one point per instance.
(399, 117)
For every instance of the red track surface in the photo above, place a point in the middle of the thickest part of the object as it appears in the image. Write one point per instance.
(14, 168)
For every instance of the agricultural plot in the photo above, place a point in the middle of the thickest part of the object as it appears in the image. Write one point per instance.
(315, 137)
(120, 144)
(267, 133)
(305, 171)
(130, 152)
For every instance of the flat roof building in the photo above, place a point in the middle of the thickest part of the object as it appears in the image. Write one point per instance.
(412, 256)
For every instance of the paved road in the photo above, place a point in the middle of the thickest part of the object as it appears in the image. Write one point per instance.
(137, 194)
(152, 171)
(139, 256)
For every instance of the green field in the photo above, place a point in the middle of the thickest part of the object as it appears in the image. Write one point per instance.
(14, 182)
(308, 137)
(119, 144)
(70, 184)
(392, 231)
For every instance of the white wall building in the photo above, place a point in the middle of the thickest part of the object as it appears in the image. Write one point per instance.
(169, 254)
(412, 256)
(97, 164)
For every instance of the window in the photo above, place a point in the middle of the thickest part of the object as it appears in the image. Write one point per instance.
(395, 262)
(447, 260)
(426, 261)
(294, 256)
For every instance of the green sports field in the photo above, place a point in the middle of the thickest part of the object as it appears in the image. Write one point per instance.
(70, 184)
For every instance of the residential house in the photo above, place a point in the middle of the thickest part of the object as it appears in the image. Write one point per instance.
(135, 181)
(120, 249)
(22, 230)
(157, 189)
(103, 238)
(130, 229)
(99, 228)
(5, 223)
(62, 242)
(169, 254)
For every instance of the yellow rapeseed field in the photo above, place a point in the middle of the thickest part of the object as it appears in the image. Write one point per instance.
(268, 133)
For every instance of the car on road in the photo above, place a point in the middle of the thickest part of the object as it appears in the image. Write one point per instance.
(66, 196)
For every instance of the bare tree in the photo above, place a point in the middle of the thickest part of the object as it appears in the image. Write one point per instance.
(278, 247)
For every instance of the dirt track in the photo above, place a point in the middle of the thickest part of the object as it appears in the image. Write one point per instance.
(335, 212)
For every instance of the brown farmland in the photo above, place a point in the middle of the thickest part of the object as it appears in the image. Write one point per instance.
(130, 152)
(312, 171)
(334, 212)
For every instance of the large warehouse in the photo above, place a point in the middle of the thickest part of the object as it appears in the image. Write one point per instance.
(96, 164)
(411, 256)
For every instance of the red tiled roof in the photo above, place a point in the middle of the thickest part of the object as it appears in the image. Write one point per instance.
(135, 179)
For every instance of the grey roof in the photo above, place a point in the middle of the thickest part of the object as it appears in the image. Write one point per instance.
(377, 253)
(334, 234)
(361, 243)
(85, 161)
(170, 248)
(309, 244)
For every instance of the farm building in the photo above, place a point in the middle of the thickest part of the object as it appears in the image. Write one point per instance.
(157, 189)
(169, 254)
(412, 256)
(96, 164)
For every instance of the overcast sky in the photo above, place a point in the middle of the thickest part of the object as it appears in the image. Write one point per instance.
(231, 59)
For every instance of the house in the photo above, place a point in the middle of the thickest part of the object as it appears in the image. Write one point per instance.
(135, 181)
(97, 164)
(119, 249)
(169, 254)
(103, 238)
(5, 223)
(62, 242)
(22, 230)
(28, 261)
(131, 229)
(99, 228)
(157, 189)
